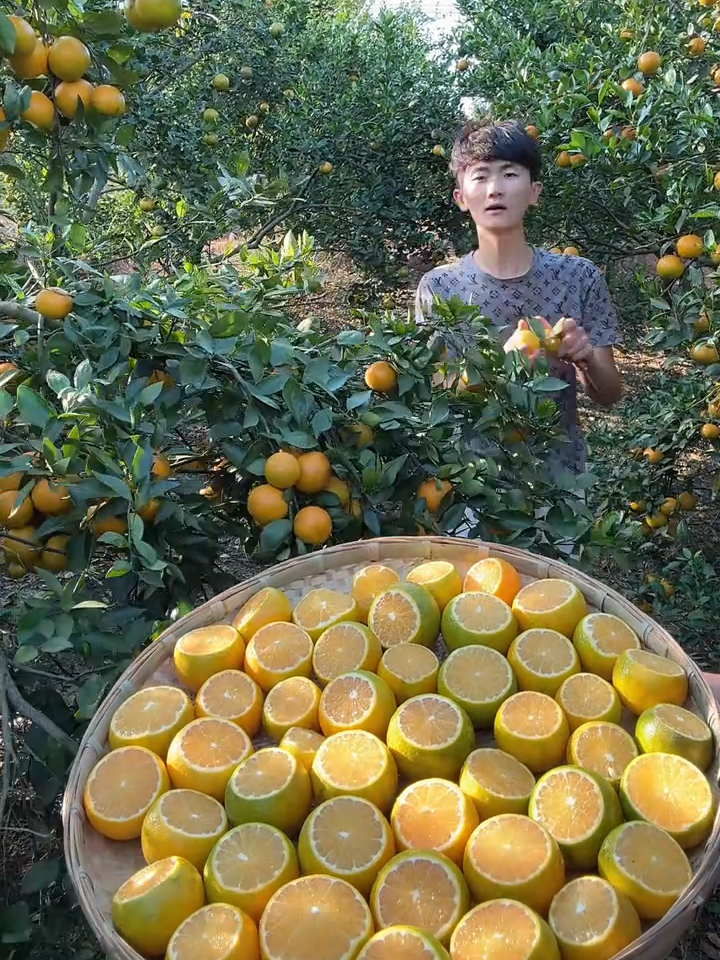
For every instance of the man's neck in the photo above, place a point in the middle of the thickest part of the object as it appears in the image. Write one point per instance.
(504, 255)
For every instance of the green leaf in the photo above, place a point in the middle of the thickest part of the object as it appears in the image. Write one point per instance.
(7, 35)
(90, 696)
(119, 569)
(6, 403)
(26, 654)
(15, 926)
(547, 385)
(149, 394)
(118, 486)
(57, 381)
(32, 408)
(439, 411)
(83, 374)
(90, 605)
(274, 534)
(321, 422)
(55, 645)
(358, 400)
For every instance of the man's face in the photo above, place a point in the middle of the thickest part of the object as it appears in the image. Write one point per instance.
(497, 194)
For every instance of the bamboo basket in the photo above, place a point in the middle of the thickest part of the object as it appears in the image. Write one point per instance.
(97, 866)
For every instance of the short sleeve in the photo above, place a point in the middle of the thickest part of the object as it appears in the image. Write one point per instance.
(423, 301)
(599, 317)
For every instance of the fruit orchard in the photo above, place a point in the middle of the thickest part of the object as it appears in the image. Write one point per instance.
(161, 408)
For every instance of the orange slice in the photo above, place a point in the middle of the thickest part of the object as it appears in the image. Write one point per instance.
(647, 865)
(204, 754)
(501, 929)
(348, 838)
(248, 865)
(150, 718)
(542, 660)
(430, 736)
(405, 613)
(421, 889)
(599, 639)
(215, 932)
(149, 907)
(496, 782)
(434, 815)
(585, 697)
(439, 577)
(603, 748)
(590, 918)
(183, 823)
(512, 856)
(322, 608)
(532, 728)
(303, 744)
(231, 695)
(356, 701)
(367, 584)
(356, 764)
(479, 679)
(291, 703)
(345, 647)
(494, 576)
(120, 790)
(269, 605)
(269, 787)
(409, 670)
(315, 918)
(550, 604)
(403, 943)
(478, 618)
(203, 652)
(277, 652)
(643, 679)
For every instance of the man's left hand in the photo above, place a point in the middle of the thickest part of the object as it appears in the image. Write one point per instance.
(575, 345)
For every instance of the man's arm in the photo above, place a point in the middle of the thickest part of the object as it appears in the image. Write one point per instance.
(595, 366)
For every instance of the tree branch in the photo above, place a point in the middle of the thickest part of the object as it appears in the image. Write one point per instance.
(32, 713)
(8, 754)
(8, 308)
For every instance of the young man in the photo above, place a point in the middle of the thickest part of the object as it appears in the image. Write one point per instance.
(497, 179)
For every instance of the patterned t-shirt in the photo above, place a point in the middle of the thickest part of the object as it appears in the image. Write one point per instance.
(555, 286)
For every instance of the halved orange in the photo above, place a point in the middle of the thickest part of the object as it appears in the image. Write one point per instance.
(183, 823)
(542, 660)
(439, 577)
(501, 929)
(436, 815)
(269, 605)
(231, 695)
(345, 647)
(585, 697)
(551, 604)
(479, 679)
(315, 918)
(478, 618)
(120, 790)
(599, 639)
(150, 718)
(401, 942)
(430, 736)
(276, 652)
(356, 701)
(217, 931)
(643, 679)
(496, 782)
(405, 613)
(356, 764)
(303, 744)
(322, 608)
(204, 754)
(270, 786)
(291, 703)
(201, 653)
(409, 669)
(367, 584)
(348, 838)
(532, 728)
(492, 575)
(602, 748)
(590, 918)
(248, 865)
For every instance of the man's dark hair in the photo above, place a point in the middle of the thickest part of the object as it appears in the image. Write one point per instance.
(483, 141)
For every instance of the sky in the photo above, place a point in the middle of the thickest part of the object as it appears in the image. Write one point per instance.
(443, 13)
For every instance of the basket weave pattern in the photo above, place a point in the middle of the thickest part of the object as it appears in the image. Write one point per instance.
(97, 866)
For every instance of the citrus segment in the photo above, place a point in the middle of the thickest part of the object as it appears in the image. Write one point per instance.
(502, 929)
(217, 931)
(403, 943)
(303, 744)
(578, 809)
(592, 920)
(647, 865)
(357, 764)
(321, 608)
(409, 669)
(183, 823)
(345, 647)
(271, 786)
(356, 701)
(276, 652)
(204, 754)
(291, 703)
(150, 905)
(532, 728)
(513, 856)
(434, 815)
(479, 679)
(430, 736)
(367, 584)
(494, 576)
(208, 650)
(585, 697)
(666, 728)
(496, 782)
(120, 790)
(150, 718)
(671, 793)
(269, 605)
(421, 889)
(315, 918)
(231, 695)
(248, 865)
(643, 679)
(603, 748)
(542, 660)
(478, 618)
(439, 577)
(599, 639)
(346, 837)
(406, 613)
(550, 604)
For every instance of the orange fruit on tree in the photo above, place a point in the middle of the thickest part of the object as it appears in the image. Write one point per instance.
(25, 548)
(15, 510)
(12, 481)
(108, 100)
(266, 503)
(107, 523)
(563, 159)
(53, 303)
(68, 58)
(217, 931)
(628, 133)
(433, 492)
(340, 489)
(31, 65)
(50, 498)
(577, 160)
(153, 15)
(25, 39)
(41, 113)
(670, 267)
(381, 376)
(53, 556)
(633, 86)
(532, 131)
(710, 431)
(649, 62)
(70, 93)
(161, 468)
(313, 525)
(282, 470)
(149, 511)
(315, 472)
(120, 790)
(696, 47)
(689, 246)
(705, 354)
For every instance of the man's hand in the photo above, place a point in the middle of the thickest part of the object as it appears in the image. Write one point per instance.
(574, 345)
